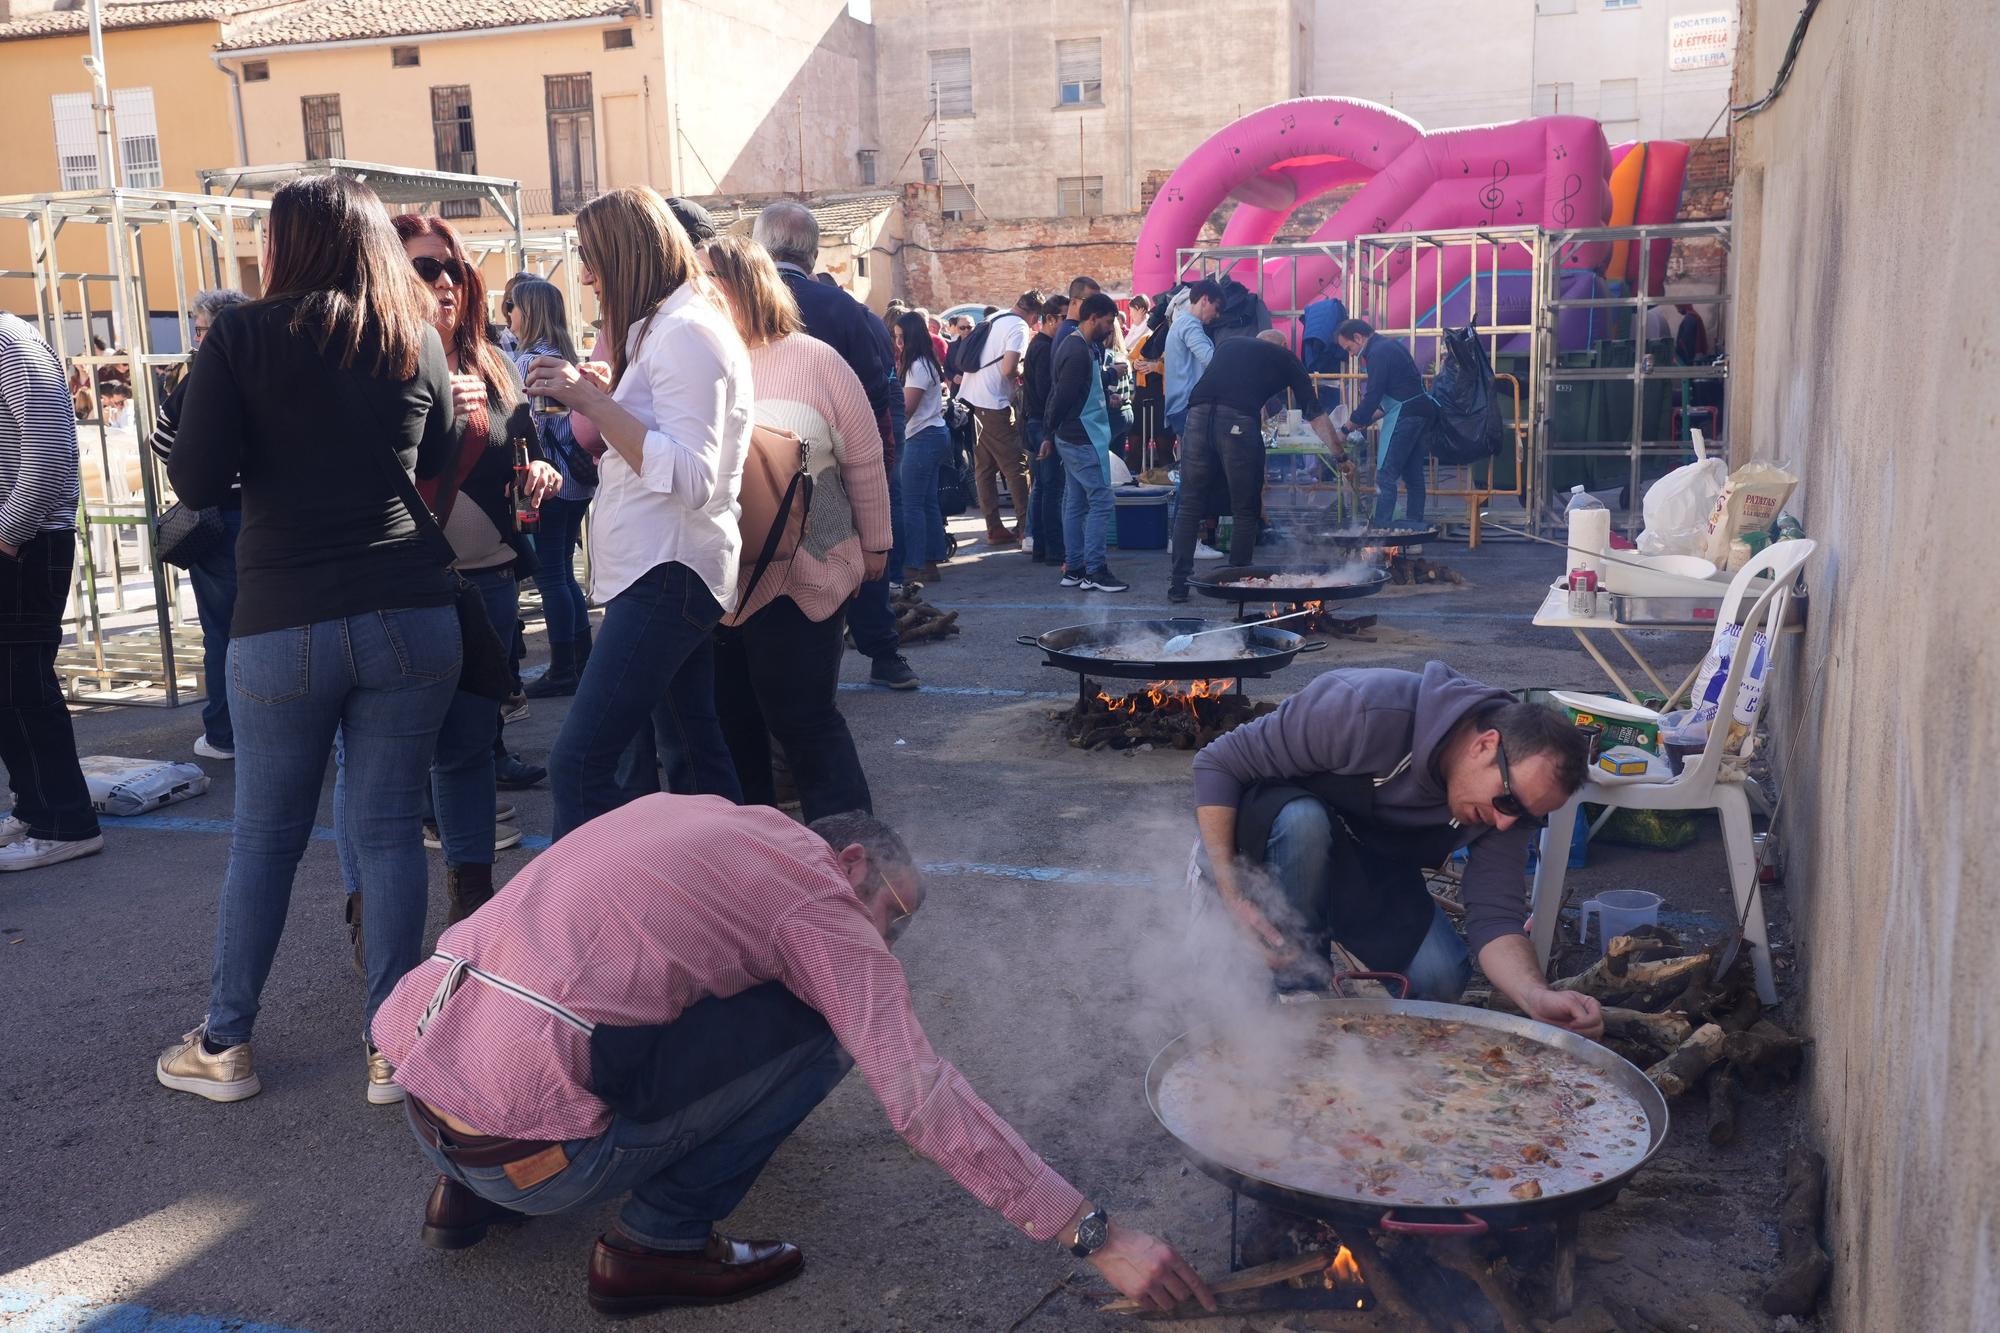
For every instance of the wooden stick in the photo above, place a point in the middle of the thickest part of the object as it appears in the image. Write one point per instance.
(1689, 1061)
(1664, 1030)
(1722, 1107)
(1392, 1297)
(1263, 1275)
(1803, 1264)
(1506, 1303)
(1562, 1285)
(1617, 974)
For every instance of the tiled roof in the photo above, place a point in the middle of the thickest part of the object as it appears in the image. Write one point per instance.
(360, 20)
(837, 217)
(132, 14)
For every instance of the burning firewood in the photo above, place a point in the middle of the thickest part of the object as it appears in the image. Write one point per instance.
(1165, 714)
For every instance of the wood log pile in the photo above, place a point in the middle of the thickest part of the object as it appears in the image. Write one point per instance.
(917, 619)
(1167, 715)
(1409, 569)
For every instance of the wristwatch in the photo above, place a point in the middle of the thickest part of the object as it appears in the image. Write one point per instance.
(1090, 1235)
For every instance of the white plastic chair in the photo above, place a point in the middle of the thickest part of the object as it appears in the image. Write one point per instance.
(1714, 780)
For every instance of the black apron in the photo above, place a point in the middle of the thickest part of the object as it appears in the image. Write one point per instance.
(1375, 901)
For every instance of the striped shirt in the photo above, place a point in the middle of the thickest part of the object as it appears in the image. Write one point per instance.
(802, 385)
(40, 488)
(646, 910)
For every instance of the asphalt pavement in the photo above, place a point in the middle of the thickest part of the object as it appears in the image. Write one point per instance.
(1043, 967)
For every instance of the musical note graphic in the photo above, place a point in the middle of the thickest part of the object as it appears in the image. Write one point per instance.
(1491, 196)
(1287, 123)
(1175, 195)
(1336, 119)
(1464, 167)
(1565, 210)
(1562, 152)
(1519, 208)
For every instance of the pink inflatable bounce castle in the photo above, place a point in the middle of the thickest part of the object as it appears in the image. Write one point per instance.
(1555, 171)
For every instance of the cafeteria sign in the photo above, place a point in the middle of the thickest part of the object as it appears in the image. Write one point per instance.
(1700, 41)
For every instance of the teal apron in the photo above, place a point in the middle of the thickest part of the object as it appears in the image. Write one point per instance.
(1390, 415)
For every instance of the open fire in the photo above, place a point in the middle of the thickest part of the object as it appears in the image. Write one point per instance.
(1179, 715)
(1406, 567)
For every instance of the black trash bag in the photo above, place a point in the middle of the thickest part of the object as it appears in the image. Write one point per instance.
(1465, 427)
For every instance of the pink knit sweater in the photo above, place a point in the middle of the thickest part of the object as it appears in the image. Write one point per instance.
(801, 385)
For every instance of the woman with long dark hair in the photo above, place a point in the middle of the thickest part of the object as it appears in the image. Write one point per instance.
(474, 503)
(541, 328)
(778, 653)
(344, 617)
(926, 446)
(664, 543)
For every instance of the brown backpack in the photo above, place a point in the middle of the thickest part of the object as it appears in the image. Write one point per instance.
(776, 495)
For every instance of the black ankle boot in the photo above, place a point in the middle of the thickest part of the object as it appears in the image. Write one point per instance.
(468, 887)
(560, 679)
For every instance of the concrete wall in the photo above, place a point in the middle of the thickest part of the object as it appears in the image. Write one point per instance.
(1593, 44)
(190, 103)
(1442, 62)
(1196, 65)
(1865, 205)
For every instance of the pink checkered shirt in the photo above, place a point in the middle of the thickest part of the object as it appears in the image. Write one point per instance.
(643, 912)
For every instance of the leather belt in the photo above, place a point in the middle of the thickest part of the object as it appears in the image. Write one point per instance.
(475, 1150)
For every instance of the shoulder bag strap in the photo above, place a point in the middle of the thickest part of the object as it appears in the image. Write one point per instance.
(420, 514)
(801, 481)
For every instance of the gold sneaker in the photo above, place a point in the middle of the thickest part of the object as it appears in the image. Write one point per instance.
(227, 1077)
(383, 1090)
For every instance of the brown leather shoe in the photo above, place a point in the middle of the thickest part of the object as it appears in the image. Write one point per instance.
(625, 1279)
(455, 1217)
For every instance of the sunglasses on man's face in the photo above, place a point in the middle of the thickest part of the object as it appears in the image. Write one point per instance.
(901, 921)
(1507, 803)
(428, 269)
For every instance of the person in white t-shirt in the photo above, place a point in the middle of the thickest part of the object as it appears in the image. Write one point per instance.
(988, 388)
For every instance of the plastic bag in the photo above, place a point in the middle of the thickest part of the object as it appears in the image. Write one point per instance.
(133, 786)
(1677, 508)
(1465, 426)
(1750, 502)
(1689, 727)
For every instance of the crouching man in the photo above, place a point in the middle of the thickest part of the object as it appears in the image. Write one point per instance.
(1319, 820)
(654, 1005)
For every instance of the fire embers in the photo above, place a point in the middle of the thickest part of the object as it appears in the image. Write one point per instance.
(1165, 714)
(1405, 566)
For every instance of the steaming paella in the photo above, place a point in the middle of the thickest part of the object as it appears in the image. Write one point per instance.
(1421, 1113)
(1153, 648)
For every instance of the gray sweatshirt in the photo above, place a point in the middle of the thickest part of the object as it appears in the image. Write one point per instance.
(1363, 721)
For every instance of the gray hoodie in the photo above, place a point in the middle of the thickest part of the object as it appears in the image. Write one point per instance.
(1364, 721)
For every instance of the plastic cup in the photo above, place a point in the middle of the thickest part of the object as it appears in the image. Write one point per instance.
(1619, 912)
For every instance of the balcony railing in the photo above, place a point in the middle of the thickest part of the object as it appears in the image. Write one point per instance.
(557, 203)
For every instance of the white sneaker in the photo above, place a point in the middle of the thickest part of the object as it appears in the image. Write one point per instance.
(208, 750)
(28, 853)
(1203, 551)
(383, 1090)
(1028, 545)
(505, 835)
(12, 831)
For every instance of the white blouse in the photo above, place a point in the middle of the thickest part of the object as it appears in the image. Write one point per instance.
(689, 384)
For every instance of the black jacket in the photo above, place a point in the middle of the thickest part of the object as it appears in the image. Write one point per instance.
(1392, 373)
(1077, 373)
(1035, 375)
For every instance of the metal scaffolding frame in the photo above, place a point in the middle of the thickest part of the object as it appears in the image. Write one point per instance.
(553, 255)
(1367, 267)
(126, 664)
(395, 185)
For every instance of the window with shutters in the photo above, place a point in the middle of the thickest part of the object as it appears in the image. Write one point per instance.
(76, 141)
(451, 133)
(1080, 72)
(138, 138)
(927, 159)
(322, 117)
(405, 57)
(951, 83)
(864, 165)
(1618, 99)
(1079, 196)
(572, 140)
(256, 71)
(617, 39)
(1555, 99)
(955, 203)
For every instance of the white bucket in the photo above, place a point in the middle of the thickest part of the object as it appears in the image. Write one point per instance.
(1619, 912)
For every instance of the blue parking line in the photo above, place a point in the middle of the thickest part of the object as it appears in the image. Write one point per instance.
(537, 843)
(26, 1311)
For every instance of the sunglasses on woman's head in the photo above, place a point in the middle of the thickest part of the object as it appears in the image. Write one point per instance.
(1507, 803)
(428, 269)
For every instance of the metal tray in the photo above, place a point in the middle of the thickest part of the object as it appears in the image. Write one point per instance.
(1627, 609)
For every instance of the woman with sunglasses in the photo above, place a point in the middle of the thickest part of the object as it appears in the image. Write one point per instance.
(778, 653)
(540, 323)
(664, 544)
(1319, 821)
(344, 619)
(474, 504)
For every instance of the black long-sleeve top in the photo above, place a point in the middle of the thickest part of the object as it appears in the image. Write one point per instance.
(1035, 375)
(1076, 374)
(1392, 373)
(325, 534)
(1247, 372)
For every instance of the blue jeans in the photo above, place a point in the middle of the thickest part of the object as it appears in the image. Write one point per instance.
(1087, 509)
(898, 538)
(563, 604)
(923, 521)
(462, 769)
(1405, 463)
(1045, 495)
(1298, 853)
(654, 653)
(213, 578)
(687, 1172)
(383, 681)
